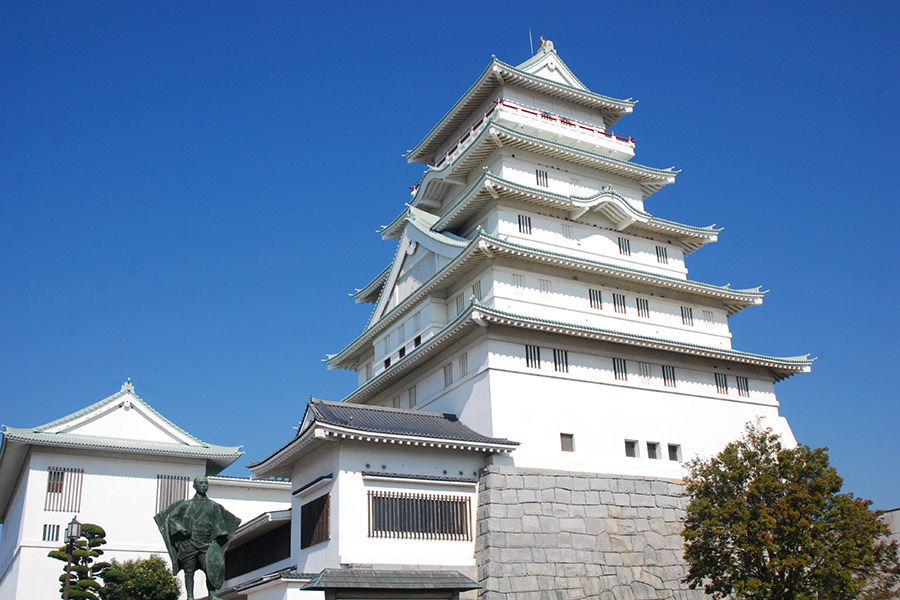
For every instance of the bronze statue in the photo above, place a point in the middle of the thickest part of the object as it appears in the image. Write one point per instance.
(197, 532)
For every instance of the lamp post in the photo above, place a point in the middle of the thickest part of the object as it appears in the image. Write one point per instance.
(73, 532)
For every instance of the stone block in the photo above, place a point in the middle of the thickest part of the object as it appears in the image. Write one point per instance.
(509, 496)
(599, 484)
(576, 510)
(565, 482)
(612, 559)
(642, 591)
(642, 500)
(667, 502)
(563, 496)
(583, 541)
(641, 525)
(515, 482)
(632, 559)
(654, 540)
(620, 543)
(623, 592)
(549, 524)
(643, 486)
(597, 511)
(625, 485)
(520, 540)
(537, 568)
(659, 488)
(547, 494)
(622, 499)
(577, 498)
(573, 525)
(607, 497)
(515, 511)
(581, 484)
(625, 526)
(650, 557)
(546, 540)
(531, 508)
(531, 524)
(531, 482)
(526, 495)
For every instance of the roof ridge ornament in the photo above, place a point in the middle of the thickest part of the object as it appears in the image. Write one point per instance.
(127, 386)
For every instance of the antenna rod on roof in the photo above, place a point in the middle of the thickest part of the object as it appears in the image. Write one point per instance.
(530, 41)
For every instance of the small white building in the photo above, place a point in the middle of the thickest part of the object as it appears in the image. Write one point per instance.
(115, 463)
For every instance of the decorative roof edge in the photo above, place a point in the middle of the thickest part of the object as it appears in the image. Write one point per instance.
(615, 106)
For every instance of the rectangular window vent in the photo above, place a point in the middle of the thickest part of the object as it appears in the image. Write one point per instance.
(561, 360)
(643, 307)
(568, 233)
(662, 256)
(412, 396)
(419, 516)
(567, 442)
(533, 357)
(546, 287)
(743, 386)
(476, 290)
(619, 369)
(64, 489)
(595, 298)
(721, 383)
(171, 489)
(644, 368)
(541, 177)
(460, 304)
(525, 224)
(708, 319)
(314, 522)
(519, 284)
(619, 303)
(624, 246)
(51, 533)
(368, 371)
(463, 364)
(448, 375)
(687, 316)
(668, 376)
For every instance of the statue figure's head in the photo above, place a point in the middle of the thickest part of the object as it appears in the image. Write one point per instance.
(201, 485)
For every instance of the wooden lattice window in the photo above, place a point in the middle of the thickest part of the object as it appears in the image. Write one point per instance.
(64, 489)
(314, 522)
(170, 489)
(419, 516)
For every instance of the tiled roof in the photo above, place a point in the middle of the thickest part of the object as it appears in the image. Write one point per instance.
(395, 421)
(32, 436)
(378, 579)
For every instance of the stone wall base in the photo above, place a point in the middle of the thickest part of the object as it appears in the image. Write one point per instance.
(559, 534)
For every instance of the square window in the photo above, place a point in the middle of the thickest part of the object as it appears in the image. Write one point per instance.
(51, 533)
(653, 450)
(567, 442)
(675, 452)
(631, 448)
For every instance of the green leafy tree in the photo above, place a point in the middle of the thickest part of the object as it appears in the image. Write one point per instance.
(148, 579)
(83, 583)
(769, 523)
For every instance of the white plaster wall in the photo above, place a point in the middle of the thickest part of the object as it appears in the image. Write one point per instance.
(356, 546)
(602, 413)
(135, 423)
(569, 302)
(284, 591)
(12, 528)
(246, 498)
(323, 462)
(590, 242)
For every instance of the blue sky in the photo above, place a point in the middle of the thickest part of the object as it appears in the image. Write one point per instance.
(189, 191)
